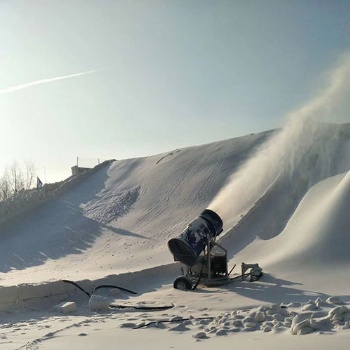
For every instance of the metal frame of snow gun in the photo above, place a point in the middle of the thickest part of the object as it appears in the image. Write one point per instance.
(211, 269)
(254, 271)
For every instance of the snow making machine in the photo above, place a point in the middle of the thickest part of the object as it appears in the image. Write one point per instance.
(203, 259)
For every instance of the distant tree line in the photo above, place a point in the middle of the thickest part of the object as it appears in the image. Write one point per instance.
(17, 177)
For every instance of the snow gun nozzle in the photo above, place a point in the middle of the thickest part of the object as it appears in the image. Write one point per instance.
(188, 246)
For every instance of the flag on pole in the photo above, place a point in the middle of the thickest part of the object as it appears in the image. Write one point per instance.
(39, 183)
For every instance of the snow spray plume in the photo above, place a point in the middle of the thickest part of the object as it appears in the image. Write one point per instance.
(281, 153)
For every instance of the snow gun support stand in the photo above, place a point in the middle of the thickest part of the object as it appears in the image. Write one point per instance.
(212, 270)
(203, 259)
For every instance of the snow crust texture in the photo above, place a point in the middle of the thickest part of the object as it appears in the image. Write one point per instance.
(296, 318)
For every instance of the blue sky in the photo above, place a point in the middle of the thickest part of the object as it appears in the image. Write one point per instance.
(160, 74)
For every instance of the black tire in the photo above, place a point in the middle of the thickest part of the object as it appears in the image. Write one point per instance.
(182, 283)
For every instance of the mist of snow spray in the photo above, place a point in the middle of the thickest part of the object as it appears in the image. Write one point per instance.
(303, 131)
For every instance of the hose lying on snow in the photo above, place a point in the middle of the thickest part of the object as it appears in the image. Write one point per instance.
(115, 287)
(98, 287)
(76, 285)
(142, 308)
(115, 306)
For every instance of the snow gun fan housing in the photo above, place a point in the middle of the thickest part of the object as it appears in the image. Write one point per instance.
(193, 241)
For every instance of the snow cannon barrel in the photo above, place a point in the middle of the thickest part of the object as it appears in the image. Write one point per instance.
(188, 246)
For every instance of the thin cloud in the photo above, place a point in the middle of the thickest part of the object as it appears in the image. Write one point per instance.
(43, 81)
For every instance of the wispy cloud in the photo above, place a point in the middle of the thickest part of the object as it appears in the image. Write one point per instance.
(44, 81)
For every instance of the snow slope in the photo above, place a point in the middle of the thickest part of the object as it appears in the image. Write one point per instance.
(121, 217)
(283, 196)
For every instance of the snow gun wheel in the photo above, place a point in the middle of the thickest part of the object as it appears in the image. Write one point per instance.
(182, 283)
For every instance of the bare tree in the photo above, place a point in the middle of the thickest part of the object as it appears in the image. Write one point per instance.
(5, 185)
(16, 176)
(30, 174)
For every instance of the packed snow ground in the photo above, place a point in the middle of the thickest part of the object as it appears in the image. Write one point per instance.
(289, 214)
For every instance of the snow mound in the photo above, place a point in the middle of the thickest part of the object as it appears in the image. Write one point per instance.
(292, 318)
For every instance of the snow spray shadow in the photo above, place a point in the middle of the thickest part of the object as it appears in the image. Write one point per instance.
(305, 148)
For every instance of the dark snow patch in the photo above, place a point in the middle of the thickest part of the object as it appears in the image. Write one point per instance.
(112, 204)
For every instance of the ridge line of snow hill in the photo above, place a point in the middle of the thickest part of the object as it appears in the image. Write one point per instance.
(121, 218)
(327, 240)
(317, 233)
(27, 200)
(139, 281)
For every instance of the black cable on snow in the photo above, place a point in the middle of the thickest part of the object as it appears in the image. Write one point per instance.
(112, 286)
(142, 308)
(199, 278)
(98, 287)
(76, 285)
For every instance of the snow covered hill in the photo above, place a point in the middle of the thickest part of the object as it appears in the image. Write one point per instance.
(120, 218)
(283, 196)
